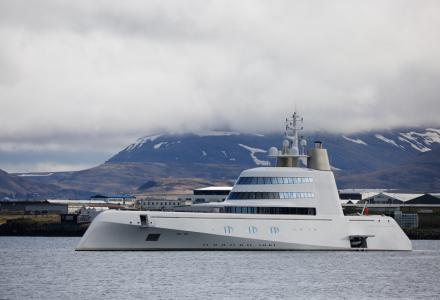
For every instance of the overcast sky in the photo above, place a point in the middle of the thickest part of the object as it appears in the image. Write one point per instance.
(79, 80)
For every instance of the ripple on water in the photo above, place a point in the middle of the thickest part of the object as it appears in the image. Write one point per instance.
(43, 267)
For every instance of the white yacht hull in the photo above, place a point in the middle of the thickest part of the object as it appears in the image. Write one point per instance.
(129, 230)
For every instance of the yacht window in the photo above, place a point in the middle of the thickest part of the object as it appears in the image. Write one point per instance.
(274, 180)
(272, 210)
(269, 195)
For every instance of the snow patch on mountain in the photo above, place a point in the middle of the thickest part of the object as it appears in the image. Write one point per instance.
(333, 168)
(157, 146)
(389, 141)
(141, 141)
(433, 129)
(418, 147)
(430, 136)
(215, 133)
(357, 141)
(34, 175)
(252, 151)
(224, 153)
(204, 153)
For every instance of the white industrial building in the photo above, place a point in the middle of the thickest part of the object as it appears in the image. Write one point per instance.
(389, 198)
(358, 194)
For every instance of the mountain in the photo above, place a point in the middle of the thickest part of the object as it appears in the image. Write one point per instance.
(19, 187)
(355, 153)
(406, 159)
(420, 174)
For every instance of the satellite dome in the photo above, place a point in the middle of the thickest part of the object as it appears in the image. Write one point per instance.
(273, 151)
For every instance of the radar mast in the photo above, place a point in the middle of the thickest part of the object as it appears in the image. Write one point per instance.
(290, 154)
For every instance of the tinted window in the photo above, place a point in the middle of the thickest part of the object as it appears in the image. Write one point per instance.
(272, 210)
(272, 180)
(268, 195)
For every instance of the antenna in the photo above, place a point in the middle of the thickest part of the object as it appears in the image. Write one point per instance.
(293, 126)
(293, 146)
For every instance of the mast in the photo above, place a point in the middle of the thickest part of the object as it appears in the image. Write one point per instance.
(290, 154)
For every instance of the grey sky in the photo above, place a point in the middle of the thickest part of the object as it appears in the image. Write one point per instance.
(81, 79)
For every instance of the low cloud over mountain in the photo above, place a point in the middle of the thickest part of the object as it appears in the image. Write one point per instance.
(88, 76)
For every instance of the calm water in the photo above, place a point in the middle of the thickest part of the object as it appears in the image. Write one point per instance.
(40, 267)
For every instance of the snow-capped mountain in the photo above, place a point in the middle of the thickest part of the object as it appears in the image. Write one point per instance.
(350, 153)
(216, 147)
(406, 159)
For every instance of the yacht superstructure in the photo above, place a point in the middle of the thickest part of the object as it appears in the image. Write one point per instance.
(293, 206)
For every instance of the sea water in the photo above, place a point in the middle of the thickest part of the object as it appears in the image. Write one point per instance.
(49, 268)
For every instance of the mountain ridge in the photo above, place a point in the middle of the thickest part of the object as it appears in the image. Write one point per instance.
(401, 159)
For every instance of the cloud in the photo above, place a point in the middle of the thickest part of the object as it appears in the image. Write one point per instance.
(88, 74)
(44, 166)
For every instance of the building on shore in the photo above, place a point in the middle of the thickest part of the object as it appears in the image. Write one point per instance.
(74, 206)
(161, 204)
(357, 194)
(409, 210)
(389, 198)
(207, 194)
(120, 199)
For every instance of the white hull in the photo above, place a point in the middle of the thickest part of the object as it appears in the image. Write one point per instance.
(123, 230)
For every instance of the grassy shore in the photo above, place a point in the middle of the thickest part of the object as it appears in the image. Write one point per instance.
(46, 218)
